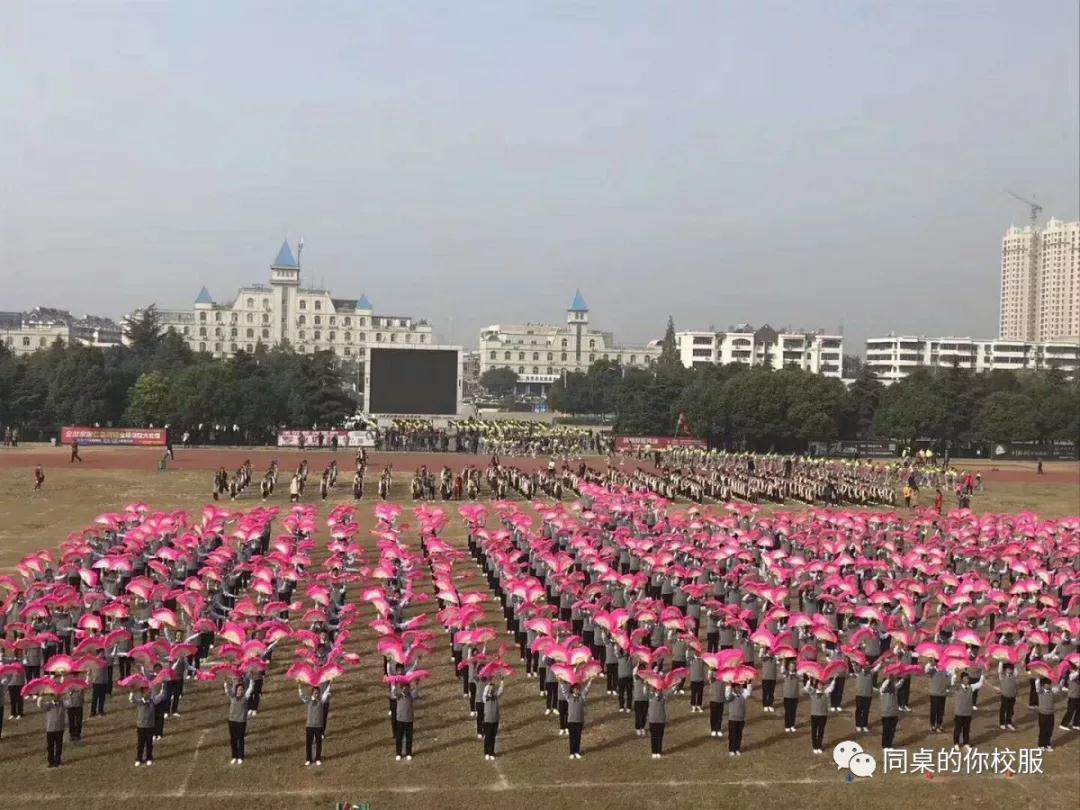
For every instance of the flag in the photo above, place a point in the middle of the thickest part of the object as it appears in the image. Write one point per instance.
(682, 425)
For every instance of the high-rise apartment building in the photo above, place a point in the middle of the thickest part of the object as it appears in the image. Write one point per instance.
(1040, 283)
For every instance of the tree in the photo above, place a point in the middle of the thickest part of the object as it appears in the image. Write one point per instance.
(1006, 415)
(149, 401)
(669, 351)
(569, 394)
(499, 382)
(852, 366)
(702, 402)
(859, 405)
(77, 391)
(143, 330)
(910, 409)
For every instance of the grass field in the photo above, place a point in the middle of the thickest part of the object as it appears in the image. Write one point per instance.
(448, 771)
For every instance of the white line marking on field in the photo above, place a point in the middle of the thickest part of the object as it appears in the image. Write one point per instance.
(492, 787)
(194, 761)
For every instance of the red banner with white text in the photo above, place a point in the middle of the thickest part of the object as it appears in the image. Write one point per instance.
(134, 437)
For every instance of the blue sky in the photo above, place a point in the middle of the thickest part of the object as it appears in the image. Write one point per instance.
(812, 164)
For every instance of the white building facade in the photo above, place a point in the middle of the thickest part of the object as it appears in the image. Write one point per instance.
(893, 358)
(1040, 283)
(282, 311)
(541, 353)
(41, 327)
(813, 351)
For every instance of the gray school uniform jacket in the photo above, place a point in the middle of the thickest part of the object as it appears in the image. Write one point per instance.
(611, 651)
(1046, 700)
(697, 669)
(819, 700)
(890, 706)
(626, 664)
(238, 705)
(736, 703)
(657, 707)
(791, 685)
(549, 676)
(1074, 686)
(32, 656)
(678, 650)
(491, 697)
(864, 684)
(962, 700)
(1008, 685)
(575, 710)
(55, 716)
(639, 690)
(73, 699)
(717, 692)
(404, 713)
(144, 711)
(316, 707)
(727, 636)
(768, 668)
(939, 683)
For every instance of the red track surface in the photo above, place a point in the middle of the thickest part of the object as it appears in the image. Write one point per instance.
(196, 459)
(210, 458)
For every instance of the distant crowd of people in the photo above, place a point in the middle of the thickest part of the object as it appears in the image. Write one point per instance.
(507, 437)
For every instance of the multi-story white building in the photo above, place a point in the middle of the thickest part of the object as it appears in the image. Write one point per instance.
(541, 353)
(893, 358)
(308, 319)
(815, 351)
(26, 332)
(1040, 282)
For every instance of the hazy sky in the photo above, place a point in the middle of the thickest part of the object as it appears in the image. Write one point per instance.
(811, 164)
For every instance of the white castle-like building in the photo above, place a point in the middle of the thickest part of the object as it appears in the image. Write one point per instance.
(541, 353)
(308, 319)
(41, 327)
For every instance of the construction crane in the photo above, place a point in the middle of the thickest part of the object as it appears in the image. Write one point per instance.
(1036, 209)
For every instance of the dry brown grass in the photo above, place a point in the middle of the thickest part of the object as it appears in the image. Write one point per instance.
(448, 770)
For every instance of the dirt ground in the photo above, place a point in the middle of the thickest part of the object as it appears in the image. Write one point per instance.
(448, 771)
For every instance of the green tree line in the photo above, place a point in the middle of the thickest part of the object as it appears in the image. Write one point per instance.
(786, 409)
(158, 380)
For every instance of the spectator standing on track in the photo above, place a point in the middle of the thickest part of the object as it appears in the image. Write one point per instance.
(39, 478)
(75, 452)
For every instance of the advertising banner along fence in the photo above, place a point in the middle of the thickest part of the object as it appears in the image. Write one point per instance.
(324, 438)
(136, 437)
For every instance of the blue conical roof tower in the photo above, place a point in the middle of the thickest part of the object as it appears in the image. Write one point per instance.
(579, 304)
(285, 258)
